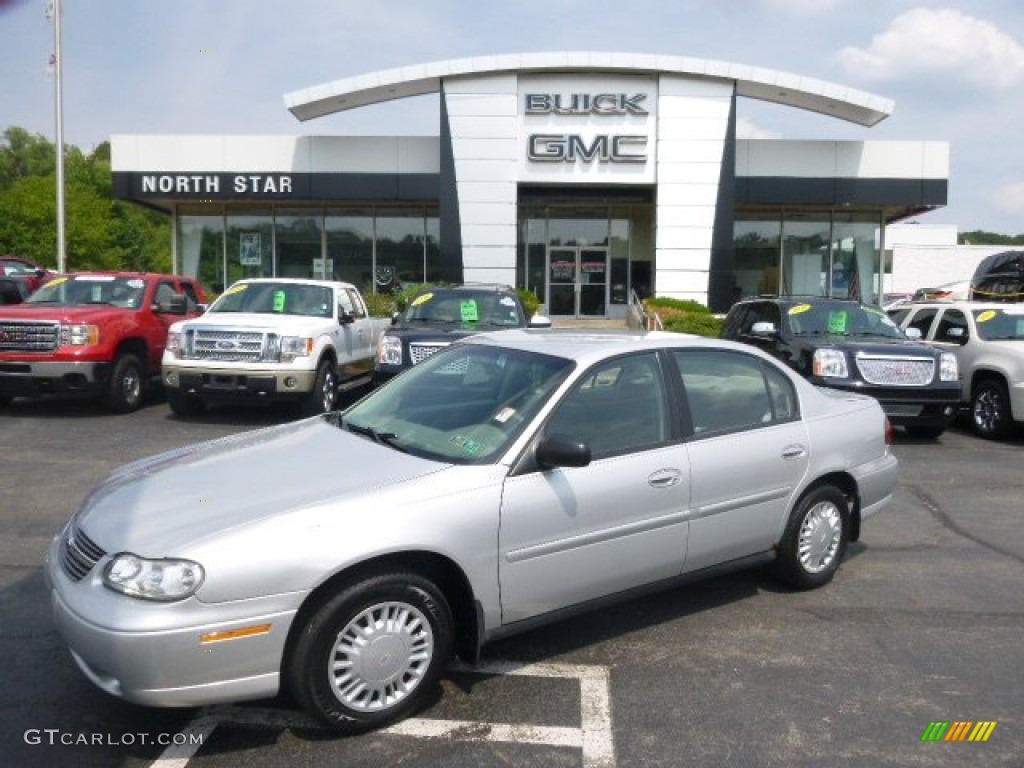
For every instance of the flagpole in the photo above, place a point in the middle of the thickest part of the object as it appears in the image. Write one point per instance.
(58, 67)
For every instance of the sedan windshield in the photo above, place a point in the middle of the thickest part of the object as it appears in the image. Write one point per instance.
(840, 319)
(463, 405)
(473, 308)
(92, 289)
(1000, 324)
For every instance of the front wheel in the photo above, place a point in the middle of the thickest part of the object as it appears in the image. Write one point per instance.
(5, 401)
(990, 409)
(372, 652)
(324, 395)
(815, 539)
(184, 405)
(124, 390)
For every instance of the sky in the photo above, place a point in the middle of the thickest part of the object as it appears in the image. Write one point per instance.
(955, 70)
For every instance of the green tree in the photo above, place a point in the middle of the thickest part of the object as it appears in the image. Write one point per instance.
(23, 155)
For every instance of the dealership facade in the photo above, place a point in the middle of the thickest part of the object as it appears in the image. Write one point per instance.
(589, 178)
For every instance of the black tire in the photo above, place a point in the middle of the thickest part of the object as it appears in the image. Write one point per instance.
(5, 401)
(324, 395)
(925, 433)
(990, 409)
(126, 387)
(406, 660)
(184, 405)
(815, 539)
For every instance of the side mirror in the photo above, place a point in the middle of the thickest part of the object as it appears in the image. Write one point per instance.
(913, 333)
(395, 318)
(347, 317)
(561, 451)
(765, 329)
(539, 321)
(175, 305)
(201, 308)
(40, 273)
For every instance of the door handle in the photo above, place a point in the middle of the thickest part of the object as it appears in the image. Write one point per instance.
(665, 478)
(794, 452)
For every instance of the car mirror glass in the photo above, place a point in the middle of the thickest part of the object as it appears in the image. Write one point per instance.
(912, 333)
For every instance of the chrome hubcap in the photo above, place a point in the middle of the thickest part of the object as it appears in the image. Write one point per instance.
(820, 534)
(328, 393)
(986, 410)
(380, 657)
(131, 385)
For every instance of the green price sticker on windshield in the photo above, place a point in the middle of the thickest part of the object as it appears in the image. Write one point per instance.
(279, 301)
(837, 321)
(469, 311)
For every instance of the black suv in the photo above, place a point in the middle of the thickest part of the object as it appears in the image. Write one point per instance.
(850, 346)
(441, 314)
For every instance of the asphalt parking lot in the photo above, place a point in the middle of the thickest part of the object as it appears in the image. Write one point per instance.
(923, 623)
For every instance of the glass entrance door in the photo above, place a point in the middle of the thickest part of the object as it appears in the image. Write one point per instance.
(577, 281)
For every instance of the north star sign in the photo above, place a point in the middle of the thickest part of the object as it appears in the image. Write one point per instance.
(570, 147)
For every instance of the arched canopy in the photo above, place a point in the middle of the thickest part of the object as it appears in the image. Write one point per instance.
(753, 82)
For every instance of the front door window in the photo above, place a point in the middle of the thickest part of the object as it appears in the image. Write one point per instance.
(577, 281)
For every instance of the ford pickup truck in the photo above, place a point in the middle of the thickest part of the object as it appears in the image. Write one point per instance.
(95, 334)
(273, 340)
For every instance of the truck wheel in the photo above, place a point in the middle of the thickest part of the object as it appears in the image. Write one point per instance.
(124, 390)
(184, 405)
(324, 395)
(815, 539)
(372, 652)
(990, 409)
(5, 401)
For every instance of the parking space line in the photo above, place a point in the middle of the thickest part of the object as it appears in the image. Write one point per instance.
(593, 737)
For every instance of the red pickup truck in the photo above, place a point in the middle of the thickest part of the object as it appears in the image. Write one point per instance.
(96, 333)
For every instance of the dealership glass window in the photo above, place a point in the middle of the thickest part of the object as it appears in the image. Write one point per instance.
(401, 247)
(756, 239)
(250, 243)
(298, 238)
(350, 245)
(805, 254)
(533, 226)
(433, 245)
(578, 226)
(618, 255)
(856, 263)
(200, 244)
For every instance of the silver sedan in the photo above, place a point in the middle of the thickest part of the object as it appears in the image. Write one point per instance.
(507, 481)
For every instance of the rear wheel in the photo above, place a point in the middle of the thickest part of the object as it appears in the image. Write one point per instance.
(124, 390)
(815, 539)
(184, 405)
(990, 409)
(371, 653)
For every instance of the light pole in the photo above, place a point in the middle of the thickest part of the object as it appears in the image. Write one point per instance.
(59, 97)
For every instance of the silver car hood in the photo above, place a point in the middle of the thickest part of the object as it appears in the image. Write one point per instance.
(157, 506)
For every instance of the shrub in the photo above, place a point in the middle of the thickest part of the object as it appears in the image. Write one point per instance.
(380, 304)
(530, 301)
(684, 316)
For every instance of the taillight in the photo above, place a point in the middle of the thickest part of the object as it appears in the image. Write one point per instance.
(888, 431)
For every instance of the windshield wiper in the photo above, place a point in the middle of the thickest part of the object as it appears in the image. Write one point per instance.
(384, 438)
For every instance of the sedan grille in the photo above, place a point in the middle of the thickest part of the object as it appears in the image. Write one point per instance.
(226, 346)
(78, 553)
(420, 352)
(896, 371)
(16, 336)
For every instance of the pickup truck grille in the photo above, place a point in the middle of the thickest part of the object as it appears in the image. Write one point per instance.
(78, 553)
(420, 352)
(896, 371)
(225, 346)
(20, 336)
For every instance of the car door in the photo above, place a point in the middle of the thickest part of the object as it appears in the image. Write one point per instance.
(748, 453)
(353, 339)
(571, 534)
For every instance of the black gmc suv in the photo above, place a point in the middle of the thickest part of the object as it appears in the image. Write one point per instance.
(850, 346)
(439, 315)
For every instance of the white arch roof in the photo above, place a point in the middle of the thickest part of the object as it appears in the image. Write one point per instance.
(754, 82)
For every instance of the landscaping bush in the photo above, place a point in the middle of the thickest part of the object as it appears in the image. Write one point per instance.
(684, 316)
(380, 304)
(530, 301)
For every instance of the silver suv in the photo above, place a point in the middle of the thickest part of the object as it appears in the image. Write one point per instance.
(988, 341)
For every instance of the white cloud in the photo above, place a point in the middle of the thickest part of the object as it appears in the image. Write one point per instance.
(748, 129)
(1010, 198)
(927, 41)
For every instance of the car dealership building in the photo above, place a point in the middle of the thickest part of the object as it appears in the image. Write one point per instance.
(587, 177)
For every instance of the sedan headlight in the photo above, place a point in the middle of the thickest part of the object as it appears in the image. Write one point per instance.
(163, 580)
(79, 335)
(295, 346)
(389, 350)
(948, 369)
(830, 363)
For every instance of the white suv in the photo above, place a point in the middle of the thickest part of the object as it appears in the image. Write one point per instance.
(988, 341)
